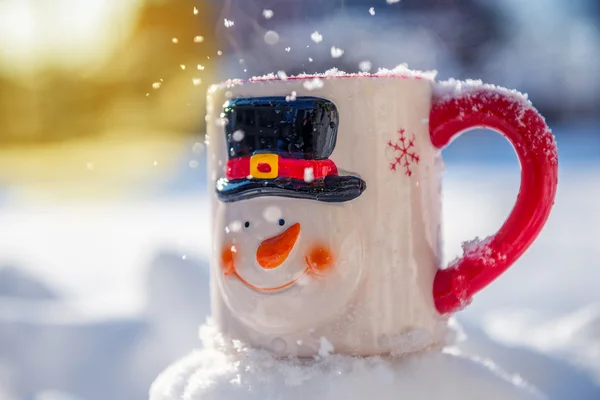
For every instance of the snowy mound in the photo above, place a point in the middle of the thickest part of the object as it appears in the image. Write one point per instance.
(231, 371)
(16, 283)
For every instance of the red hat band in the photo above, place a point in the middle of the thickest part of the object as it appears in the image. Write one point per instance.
(271, 166)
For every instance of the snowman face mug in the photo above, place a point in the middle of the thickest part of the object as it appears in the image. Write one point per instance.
(327, 207)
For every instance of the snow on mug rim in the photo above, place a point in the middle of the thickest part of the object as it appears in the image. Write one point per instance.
(399, 72)
(448, 88)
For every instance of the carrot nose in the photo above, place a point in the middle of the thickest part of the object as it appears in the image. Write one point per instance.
(272, 252)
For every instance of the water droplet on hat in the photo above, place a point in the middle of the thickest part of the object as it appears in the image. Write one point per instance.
(238, 135)
(291, 97)
(221, 122)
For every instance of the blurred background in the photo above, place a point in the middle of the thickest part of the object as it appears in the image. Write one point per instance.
(104, 229)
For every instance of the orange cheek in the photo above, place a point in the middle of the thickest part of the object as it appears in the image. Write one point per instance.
(320, 259)
(227, 259)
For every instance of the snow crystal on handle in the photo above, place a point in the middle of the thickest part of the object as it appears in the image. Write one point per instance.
(484, 98)
(456, 88)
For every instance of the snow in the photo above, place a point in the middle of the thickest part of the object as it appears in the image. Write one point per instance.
(325, 347)
(456, 88)
(316, 37)
(484, 98)
(281, 75)
(336, 52)
(312, 84)
(268, 14)
(16, 283)
(292, 96)
(400, 71)
(365, 65)
(228, 370)
(309, 174)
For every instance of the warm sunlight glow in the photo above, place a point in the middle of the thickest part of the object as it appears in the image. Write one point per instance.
(68, 34)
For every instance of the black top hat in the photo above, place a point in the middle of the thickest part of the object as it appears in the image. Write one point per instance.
(280, 147)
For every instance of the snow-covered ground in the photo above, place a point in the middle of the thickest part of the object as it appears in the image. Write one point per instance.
(97, 299)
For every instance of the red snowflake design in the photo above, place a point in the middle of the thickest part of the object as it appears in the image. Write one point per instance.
(406, 157)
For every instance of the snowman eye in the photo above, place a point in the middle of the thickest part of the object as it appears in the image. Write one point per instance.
(281, 222)
(247, 224)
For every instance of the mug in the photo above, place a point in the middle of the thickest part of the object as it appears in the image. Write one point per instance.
(326, 207)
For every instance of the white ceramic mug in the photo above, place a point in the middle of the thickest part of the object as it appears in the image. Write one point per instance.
(327, 207)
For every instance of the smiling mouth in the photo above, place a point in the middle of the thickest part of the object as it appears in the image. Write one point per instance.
(270, 289)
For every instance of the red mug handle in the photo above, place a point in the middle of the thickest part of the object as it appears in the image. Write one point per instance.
(466, 106)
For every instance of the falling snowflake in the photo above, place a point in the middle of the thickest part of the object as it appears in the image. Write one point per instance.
(267, 14)
(316, 37)
(405, 157)
(336, 52)
(365, 66)
(228, 23)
